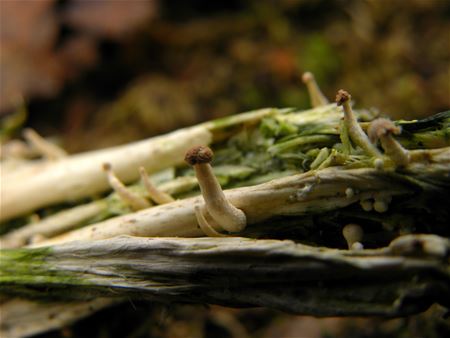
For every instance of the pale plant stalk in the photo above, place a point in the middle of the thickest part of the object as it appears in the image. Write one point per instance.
(285, 196)
(50, 226)
(68, 219)
(279, 197)
(43, 183)
(81, 175)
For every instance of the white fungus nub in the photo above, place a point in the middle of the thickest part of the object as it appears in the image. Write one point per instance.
(349, 192)
(353, 234)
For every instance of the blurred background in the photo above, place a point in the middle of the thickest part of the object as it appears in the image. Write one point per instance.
(97, 73)
(100, 73)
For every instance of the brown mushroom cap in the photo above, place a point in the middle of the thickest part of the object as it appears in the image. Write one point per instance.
(380, 127)
(342, 96)
(307, 76)
(199, 155)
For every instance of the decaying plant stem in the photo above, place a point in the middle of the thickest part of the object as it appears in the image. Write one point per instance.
(63, 221)
(239, 272)
(80, 215)
(339, 180)
(81, 175)
(285, 196)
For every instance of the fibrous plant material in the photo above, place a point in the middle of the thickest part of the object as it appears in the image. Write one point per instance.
(296, 195)
(53, 225)
(293, 175)
(81, 175)
(239, 272)
(274, 143)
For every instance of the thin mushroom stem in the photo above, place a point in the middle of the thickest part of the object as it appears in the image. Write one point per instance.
(315, 94)
(44, 147)
(218, 207)
(355, 131)
(154, 193)
(134, 201)
(383, 129)
(204, 224)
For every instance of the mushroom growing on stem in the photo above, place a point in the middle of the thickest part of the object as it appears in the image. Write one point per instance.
(45, 148)
(315, 94)
(135, 201)
(353, 235)
(383, 129)
(355, 131)
(217, 206)
(158, 196)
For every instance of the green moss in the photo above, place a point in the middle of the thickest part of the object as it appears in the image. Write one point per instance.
(12, 123)
(20, 268)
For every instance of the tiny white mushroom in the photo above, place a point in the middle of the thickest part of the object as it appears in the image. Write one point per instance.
(349, 192)
(367, 205)
(218, 207)
(303, 192)
(383, 129)
(133, 200)
(378, 163)
(380, 205)
(315, 94)
(156, 195)
(353, 234)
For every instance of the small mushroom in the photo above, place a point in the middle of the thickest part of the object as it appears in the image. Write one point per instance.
(380, 205)
(378, 164)
(353, 234)
(355, 131)
(156, 195)
(204, 224)
(133, 200)
(217, 206)
(349, 192)
(45, 148)
(383, 129)
(366, 205)
(315, 94)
